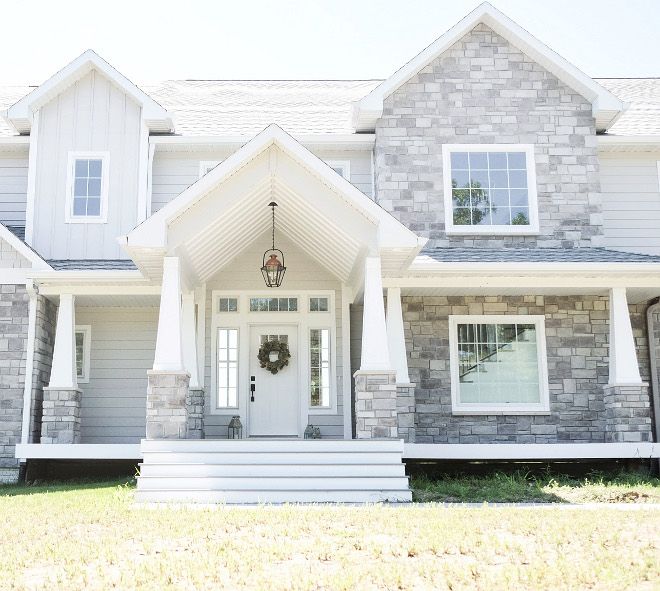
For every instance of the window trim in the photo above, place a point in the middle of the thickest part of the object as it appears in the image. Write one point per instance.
(532, 192)
(205, 165)
(345, 166)
(216, 397)
(102, 218)
(86, 329)
(309, 304)
(328, 406)
(459, 408)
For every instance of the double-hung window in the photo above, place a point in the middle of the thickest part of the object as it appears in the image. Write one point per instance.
(490, 189)
(83, 352)
(87, 187)
(498, 364)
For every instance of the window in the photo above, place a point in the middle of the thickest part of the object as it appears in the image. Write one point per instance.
(273, 304)
(227, 368)
(341, 167)
(227, 305)
(87, 187)
(490, 189)
(83, 336)
(205, 166)
(498, 364)
(319, 366)
(318, 304)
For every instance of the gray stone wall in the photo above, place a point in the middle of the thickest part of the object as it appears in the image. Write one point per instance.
(43, 358)
(167, 412)
(14, 303)
(483, 90)
(577, 333)
(60, 421)
(376, 405)
(195, 410)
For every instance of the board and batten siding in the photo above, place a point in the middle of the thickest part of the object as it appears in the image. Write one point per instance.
(91, 115)
(174, 172)
(303, 273)
(113, 403)
(630, 184)
(13, 187)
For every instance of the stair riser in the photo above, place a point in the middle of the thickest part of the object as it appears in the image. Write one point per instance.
(252, 445)
(271, 458)
(275, 497)
(282, 470)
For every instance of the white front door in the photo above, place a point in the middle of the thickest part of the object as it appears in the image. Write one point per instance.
(274, 407)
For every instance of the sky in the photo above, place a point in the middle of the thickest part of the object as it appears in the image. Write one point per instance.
(151, 40)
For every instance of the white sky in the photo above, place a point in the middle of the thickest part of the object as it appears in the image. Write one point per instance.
(150, 40)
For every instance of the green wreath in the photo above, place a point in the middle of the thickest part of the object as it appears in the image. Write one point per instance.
(283, 356)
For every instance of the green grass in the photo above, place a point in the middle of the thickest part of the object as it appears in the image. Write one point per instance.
(526, 487)
(92, 536)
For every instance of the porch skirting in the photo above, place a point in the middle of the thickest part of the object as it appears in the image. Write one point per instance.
(60, 421)
(167, 411)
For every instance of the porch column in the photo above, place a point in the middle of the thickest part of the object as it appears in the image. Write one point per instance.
(61, 404)
(167, 389)
(375, 381)
(195, 397)
(626, 397)
(405, 391)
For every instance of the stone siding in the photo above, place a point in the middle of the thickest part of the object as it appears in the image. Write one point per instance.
(376, 405)
(167, 412)
(484, 90)
(577, 333)
(195, 409)
(60, 422)
(43, 359)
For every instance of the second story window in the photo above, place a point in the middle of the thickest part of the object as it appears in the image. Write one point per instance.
(490, 189)
(87, 187)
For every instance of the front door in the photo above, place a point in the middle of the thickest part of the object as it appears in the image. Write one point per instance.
(275, 408)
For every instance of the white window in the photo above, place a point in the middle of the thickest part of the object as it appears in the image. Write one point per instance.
(490, 189)
(87, 187)
(227, 304)
(83, 352)
(205, 166)
(319, 367)
(498, 365)
(317, 304)
(341, 167)
(227, 368)
(273, 304)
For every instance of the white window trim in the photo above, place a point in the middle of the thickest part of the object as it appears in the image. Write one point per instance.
(102, 218)
(345, 166)
(86, 329)
(458, 408)
(331, 364)
(315, 312)
(205, 166)
(216, 397)
(530, 229)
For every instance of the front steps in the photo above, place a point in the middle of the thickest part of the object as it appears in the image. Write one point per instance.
(272, 471)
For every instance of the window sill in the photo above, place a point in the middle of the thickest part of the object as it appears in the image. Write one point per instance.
(499, 412)
(492, 231)
(85, 221)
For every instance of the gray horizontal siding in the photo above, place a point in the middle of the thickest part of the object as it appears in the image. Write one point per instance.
(13, 188)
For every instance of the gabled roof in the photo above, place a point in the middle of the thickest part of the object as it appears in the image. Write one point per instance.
(23, 249)
(606, 106)
(20, 114)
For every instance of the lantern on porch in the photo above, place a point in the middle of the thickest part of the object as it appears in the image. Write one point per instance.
(235, 429)
(272, 268)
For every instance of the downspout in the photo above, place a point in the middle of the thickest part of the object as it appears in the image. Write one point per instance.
(655, 381)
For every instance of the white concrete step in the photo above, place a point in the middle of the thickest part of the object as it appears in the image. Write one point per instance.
(242, 497)
(264, 470)
(263, 457)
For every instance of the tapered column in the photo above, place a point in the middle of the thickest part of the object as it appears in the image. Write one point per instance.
(396, 340)
(169, 344)
(61, 404)
(624, 368)
(375, 352)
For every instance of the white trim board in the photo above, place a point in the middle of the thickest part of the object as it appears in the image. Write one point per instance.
(78, 451)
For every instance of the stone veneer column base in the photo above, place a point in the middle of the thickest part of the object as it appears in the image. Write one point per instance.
(60, 422)
(375, 405)
(627, 413)
(405, 412)
(167, 414)
(195, 408)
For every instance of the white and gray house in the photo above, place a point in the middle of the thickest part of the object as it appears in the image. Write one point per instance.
(472, 271)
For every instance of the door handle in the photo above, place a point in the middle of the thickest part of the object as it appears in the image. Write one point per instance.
(252, 388)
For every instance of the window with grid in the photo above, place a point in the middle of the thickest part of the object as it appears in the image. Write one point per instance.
(318, 304)
(83, 335)
(227, 368)
(319, 364)
(87, 196)
(273, 304)
(490, 188)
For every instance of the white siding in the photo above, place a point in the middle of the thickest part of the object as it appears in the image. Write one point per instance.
(631, 201)
(91, 115)
(173, 172)
(13, 188)
(10, 258)
(113, 403)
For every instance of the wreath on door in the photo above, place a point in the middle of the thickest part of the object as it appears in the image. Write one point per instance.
(283, 356)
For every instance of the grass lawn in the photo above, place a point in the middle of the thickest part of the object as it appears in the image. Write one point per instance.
(91, 536)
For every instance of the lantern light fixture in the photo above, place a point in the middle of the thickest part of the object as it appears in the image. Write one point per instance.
(272, 269)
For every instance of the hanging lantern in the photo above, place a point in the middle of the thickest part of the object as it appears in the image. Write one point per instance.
(272, 269)
(235, 429)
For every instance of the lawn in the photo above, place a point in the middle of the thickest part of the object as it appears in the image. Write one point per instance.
(93, 537)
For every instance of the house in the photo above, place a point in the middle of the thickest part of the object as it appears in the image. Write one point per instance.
(460, 261)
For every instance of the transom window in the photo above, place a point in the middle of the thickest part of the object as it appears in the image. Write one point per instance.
(273, 304)
(498, 364)
(318, 304)
(87, 187)
(83, 352)
(227, 368)
(319, 366)
(490, 189)
(227, 304)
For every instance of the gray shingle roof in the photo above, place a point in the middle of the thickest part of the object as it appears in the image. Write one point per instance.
(92, 265)
(535, 255)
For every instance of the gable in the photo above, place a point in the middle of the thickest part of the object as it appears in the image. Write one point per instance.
(10, 258)
(15, 254)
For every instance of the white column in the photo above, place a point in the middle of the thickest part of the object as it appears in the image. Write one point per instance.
(396, 340)
(63, 373)
(375, 352)
(169, 344)
(190, 338)
(624, 369)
